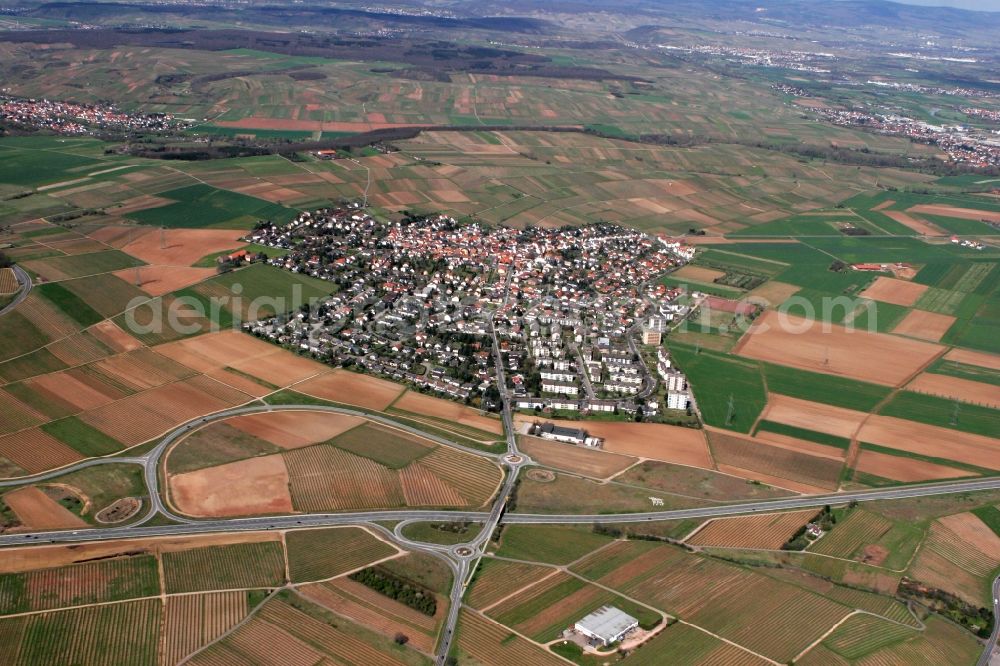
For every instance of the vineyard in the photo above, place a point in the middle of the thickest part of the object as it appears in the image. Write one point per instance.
(374, 611)
(473, 477)
(496, 579)
(35, 451)
(422, 488)
(862, 634)
(886, 607)
(320, 554)
(772, 460)
(490, 643)
(763, 531)
(858, 529)
(325, 478)
(597, 566)
(236, 566)
(776, 619)
(122, 633)
(79, 584)
(543, 611)
(193, 620)
(949, 562)
(688, 646)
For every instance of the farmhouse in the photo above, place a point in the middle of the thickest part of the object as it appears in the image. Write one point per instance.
(606, 625)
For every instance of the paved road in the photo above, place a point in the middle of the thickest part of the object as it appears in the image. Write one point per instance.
(25, 280)
(987, 657)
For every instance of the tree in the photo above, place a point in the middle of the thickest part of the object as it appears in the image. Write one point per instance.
(401, 638)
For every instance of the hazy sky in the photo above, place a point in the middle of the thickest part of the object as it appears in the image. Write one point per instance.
(981, 5)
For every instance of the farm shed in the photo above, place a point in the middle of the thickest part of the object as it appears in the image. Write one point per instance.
(606, 625)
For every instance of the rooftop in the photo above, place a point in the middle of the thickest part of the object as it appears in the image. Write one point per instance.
(607, 622)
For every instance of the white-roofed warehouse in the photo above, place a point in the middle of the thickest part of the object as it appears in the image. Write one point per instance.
(606, 625)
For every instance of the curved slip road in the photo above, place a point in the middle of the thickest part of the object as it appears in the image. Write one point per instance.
(26, 284)
(991, 645)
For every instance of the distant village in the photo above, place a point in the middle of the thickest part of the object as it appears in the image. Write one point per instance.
(418, 301)
(78, 119)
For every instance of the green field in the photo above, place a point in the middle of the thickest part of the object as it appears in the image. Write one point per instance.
(828, 389)
(80, 265)
(201, 206)
(442, 533)
(29, 164)
(71, 304)
(802, 433)
(83, 437)
(550, 544)
(943, 412)
(382, 445)
(741, 381)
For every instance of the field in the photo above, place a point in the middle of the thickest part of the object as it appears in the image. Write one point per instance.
(550, 544)
(597, 464)
(418, 403)
(492, 644)
(292, 630)
(764, 531)
(775, 619)
(315, 555)
(117, 579)
(126, 633)
(674, 444)
(313, 461)
(496, 580)
(848, 536)
(191, 621)
(960, 555)
(200, 206)
(775, 465)
(248, 487)
(353, 389)
(237, 566)
(891, 290)
(927, 326)
(374, 611)
(543, 610)
(800, 343)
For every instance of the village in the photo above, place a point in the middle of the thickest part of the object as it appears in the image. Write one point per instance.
(78, 119)
(417, 301)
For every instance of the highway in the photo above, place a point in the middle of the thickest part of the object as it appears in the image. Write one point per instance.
(25, 281)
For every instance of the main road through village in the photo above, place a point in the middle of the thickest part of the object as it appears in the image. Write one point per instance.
(462, 559)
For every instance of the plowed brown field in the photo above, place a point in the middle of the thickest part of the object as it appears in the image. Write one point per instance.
(928, 326)
(294, 429)
(982, 359)
(243, 488)
(589, 462)
(352, 388)
(801, 343)
(891, 290)
(931, 441)
(812, 415)
(957, 388)
(159, 280)
(419, 403)
(900, 468)
(674, 444)
(37, 511)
